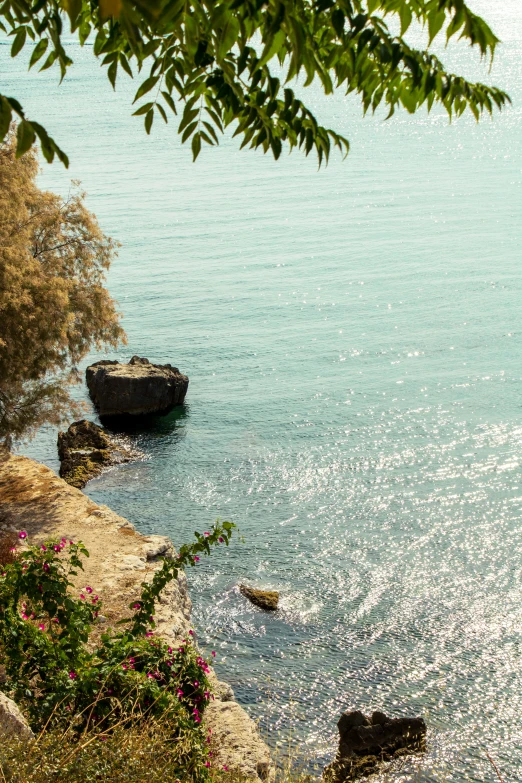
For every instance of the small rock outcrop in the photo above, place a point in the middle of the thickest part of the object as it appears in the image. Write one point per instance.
(265, 599)
(365, 742)
(135, 389)
(85, 449)
(12, 722)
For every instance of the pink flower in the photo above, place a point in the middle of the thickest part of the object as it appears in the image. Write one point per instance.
(22, 534)
(63, 540)
(25, 616)
(136, 606)
(207, 763)
(55, 620)
(95, 599)
(124, 666)
(132, 660)
(170, 650)
(221, 539)
(72, 675)
(150, 675)
(56, 548)
(206, 534)
(82, 596)
(151, 618)
(196, 684)
(71, 542)
(207, 695)
(196, 559)
(225, 767)
(45, 567)
(180, 693)
(43, 548)
(12, 549)
(149, 633)
(168, 663)
(213, 653)
(191, 633)
(88, 590)
(197, 719)
(41, 627)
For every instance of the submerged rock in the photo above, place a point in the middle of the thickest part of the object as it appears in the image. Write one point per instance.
(85, 449)
(265, 599)
(135, 389)
(365, 742)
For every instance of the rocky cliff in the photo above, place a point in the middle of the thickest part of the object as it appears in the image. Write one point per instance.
(35, 499)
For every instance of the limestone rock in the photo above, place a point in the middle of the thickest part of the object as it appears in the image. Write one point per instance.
(136, 388)
(85, 449)
(237, 743)
(12, 722)
(265, 599)
(365, 742)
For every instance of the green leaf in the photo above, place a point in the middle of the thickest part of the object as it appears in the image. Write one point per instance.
(38, 51)
(435, 23)
(18, 42)
(73, 8)
(169, 100)
(148, 120)
(228, 36)
(188, 131)
(147, 85)
(25, 137)
(5, 117)
(196, 146)
(112, 72)
(143, 109)
(49, 61)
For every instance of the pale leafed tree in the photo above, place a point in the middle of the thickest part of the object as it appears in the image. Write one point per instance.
(54, 306)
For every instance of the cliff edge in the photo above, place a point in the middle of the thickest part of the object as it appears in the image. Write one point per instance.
(35, 499)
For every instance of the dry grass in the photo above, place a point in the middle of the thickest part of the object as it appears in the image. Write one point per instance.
(146, 753)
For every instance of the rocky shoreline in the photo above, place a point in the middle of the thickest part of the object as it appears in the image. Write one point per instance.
(35, 499)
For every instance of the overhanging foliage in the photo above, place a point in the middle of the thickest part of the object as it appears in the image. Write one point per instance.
(211, 62)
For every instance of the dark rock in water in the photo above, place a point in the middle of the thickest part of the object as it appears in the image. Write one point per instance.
(135, 389)
(85, 449)
(365, 742)
(265, 599)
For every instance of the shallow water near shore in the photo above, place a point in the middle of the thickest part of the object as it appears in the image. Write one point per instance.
(353, 342)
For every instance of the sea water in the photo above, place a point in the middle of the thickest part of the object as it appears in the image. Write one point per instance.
(353, 341)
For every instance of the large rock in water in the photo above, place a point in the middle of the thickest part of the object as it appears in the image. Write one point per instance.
(85, 449)
(365, 742)
(136, 388)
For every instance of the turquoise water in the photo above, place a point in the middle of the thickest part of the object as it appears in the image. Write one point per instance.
(353, 341)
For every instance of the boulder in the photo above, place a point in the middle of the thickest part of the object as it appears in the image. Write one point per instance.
(135, 389)
(265, 599)
(85, 449)
(12, 722)
(365, 742)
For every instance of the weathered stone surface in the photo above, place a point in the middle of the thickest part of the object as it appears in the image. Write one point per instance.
(85, 449)
(34, 499)
(265, 599)
(135, 389)
(12, 722)
(365, 742)
(236, 742)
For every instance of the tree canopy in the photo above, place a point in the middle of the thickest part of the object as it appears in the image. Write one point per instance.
(217, 63)
(53, 303)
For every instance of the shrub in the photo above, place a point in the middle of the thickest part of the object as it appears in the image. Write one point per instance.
(128, 679)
